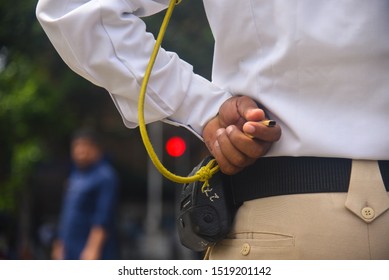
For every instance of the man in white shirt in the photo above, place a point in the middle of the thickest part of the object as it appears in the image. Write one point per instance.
(319, 68)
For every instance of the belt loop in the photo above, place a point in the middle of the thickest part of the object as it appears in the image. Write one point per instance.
(367, 196)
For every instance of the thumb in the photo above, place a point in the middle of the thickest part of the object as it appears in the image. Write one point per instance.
(249, 109)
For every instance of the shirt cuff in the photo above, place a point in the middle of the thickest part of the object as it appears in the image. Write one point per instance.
(200, 105)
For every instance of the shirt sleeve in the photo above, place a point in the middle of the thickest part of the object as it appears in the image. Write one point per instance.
(106, 42)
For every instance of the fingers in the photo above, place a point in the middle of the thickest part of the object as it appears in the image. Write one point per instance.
(231, 160)
(239, 109)
(262, 131)
(248, 109)
(210, 134)
(234, 150)
(237, 136)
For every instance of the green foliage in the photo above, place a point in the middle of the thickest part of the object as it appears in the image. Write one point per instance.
(19, 30)
(24, 107)
(42, 101)
(29, 99)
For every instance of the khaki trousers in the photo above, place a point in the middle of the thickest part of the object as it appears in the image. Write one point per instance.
(353, 225)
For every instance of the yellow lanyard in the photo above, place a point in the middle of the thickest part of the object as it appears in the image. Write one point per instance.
(206, 172)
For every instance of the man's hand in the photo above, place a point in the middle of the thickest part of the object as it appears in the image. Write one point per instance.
(94, 244)
(57, 252)
(236, 137)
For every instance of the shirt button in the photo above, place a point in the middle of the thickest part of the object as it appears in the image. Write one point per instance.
(368, 213)
(245, 249)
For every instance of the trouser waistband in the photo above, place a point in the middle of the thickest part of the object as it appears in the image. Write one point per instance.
(271, 176)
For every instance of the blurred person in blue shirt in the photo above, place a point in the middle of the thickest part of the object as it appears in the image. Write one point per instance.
(86, 229)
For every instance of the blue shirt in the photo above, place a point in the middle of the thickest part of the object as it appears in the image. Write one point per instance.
(89, 201)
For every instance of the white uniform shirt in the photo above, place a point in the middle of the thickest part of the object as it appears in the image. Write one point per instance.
(320, 68)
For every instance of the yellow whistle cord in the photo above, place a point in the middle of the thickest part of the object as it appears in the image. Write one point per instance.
(206, 172)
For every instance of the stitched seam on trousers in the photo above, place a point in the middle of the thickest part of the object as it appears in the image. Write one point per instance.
(368, 240)
(257, 235)
(259, 243)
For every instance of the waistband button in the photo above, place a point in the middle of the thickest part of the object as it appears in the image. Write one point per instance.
(245, 249)
(368, 213)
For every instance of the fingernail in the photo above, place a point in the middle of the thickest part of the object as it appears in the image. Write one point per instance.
(229, 129)
(250, 129)
(220, 131)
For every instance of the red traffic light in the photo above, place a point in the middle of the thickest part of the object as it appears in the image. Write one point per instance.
(175, 146)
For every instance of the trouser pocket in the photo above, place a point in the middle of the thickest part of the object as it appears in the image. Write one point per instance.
(255, 245)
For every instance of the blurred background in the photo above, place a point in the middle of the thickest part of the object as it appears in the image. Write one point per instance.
(42, 102)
